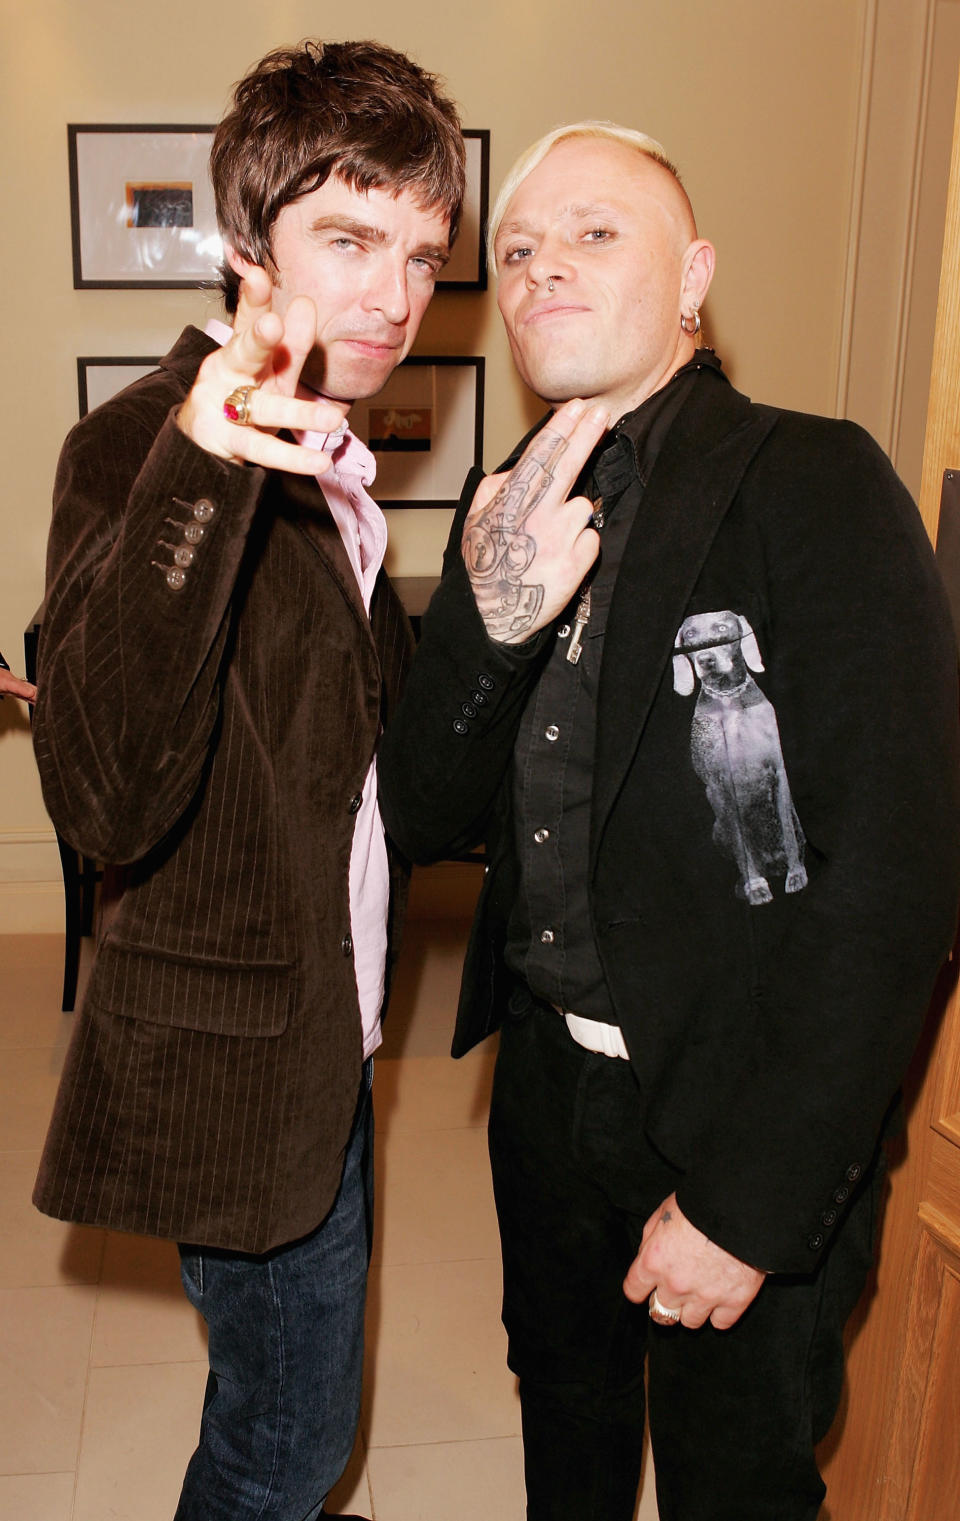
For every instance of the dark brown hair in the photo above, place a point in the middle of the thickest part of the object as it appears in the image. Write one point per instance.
(356, 109)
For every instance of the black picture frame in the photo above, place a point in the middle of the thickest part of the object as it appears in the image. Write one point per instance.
(467, 269)
(425, 461)
(141, 206)
(101, 376)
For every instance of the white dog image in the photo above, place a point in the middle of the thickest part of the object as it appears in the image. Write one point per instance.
(735, 747)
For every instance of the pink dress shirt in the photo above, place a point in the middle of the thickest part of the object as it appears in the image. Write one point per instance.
(363, 529)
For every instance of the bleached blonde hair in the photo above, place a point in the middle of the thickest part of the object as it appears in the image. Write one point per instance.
(535, 155)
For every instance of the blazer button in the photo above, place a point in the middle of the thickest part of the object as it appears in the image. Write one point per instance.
(853, 1172)
(203, 510)
(346, 945)
(183, 556)
(841, 1194)
(460, 726)
(478, 698)
(829, 1217)
(176, 579)
(356, 802)
(194, 532)
(486, 682)
(815, 1242)
(468, 710)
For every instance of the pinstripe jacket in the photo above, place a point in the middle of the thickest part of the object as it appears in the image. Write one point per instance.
(209, 726)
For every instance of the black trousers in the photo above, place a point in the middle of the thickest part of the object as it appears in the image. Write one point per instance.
(734, 1415)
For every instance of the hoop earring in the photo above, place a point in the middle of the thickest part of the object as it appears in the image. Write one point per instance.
(691, 332)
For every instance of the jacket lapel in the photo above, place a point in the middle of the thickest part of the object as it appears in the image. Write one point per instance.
(694, 481)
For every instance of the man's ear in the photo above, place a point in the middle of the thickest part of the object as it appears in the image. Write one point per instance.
(237, 262)
(698, 264)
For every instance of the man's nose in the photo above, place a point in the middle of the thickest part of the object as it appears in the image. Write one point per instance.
(549, 264)
(388, 291)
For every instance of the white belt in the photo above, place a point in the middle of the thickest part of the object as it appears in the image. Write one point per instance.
(595, 1036)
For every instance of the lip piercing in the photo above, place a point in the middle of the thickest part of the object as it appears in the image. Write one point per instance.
(551, 287)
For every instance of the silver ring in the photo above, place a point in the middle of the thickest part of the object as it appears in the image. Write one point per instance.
(661, 1314)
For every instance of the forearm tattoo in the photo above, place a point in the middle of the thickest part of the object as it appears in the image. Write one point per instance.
(498, 551)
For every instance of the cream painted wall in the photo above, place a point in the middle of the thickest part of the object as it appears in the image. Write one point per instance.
(763, 103)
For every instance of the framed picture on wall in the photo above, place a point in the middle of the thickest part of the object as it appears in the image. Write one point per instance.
(467, 269)
(425, 428)
(99, 379)
(141, 207)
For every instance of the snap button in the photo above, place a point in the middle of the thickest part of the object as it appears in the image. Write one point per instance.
(346, 945)
(547, 937)
(355, 803)
(203, 510)
(460, 726)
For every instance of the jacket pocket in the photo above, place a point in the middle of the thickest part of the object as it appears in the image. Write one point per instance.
(215, 997)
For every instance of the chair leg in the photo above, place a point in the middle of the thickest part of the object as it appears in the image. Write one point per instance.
(89, 877)
(73, 922)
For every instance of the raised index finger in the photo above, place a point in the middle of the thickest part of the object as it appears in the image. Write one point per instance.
(551, 461)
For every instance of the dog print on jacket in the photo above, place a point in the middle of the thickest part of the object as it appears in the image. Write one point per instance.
(735, 748)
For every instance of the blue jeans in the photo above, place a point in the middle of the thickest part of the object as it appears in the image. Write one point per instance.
(286, 1358)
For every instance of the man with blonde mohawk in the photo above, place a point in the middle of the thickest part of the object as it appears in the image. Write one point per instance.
(681, 665)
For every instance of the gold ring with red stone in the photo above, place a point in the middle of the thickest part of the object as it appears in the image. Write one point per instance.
(236, 408)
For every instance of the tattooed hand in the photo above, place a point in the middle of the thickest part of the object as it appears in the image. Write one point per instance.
(689, 1272)
(527, 548)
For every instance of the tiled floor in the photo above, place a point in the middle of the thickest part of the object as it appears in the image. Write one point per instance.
(102, 1360)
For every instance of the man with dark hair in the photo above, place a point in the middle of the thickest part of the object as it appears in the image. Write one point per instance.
(716, 768)
(219, 650)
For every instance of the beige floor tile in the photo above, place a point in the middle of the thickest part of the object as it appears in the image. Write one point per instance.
(31, 993)
(436, 1367)
(39, 1252)
(140, 1427)
(449, 1481)
(423, 1000)
(37, 1497)
(433, 1092)
(143, 1315)
(434, 1197)
(44, 1347)
(28, 1086)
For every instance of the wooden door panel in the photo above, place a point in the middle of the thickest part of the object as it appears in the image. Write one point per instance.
(928, 1427)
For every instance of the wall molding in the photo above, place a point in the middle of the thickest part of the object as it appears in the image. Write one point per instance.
(908, 269)
(855, 225)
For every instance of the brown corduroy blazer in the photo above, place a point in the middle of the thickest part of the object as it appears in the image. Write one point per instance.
(213, 738)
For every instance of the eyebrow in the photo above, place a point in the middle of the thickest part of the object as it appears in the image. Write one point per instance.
(580, 212)
(369, 232)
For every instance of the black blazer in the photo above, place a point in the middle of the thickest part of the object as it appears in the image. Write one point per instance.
(768, 1037)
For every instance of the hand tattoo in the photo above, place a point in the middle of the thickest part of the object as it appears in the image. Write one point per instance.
(496, 549)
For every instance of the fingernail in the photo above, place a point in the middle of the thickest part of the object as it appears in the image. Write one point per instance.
(599, 415)
(576, 408)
